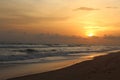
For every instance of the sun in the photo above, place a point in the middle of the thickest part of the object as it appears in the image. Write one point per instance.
(90, 34)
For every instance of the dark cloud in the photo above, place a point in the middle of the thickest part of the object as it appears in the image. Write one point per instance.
(112, 37)
(86, 9)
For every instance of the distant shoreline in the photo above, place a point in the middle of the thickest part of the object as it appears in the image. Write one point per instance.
(104, 67)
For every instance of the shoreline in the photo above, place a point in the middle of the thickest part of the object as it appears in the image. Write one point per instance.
(34, 68)
(98, 68)
(18, 70)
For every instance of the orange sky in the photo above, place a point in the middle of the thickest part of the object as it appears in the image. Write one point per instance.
(66, 17)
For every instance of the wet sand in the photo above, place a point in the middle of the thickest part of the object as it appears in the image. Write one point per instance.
(106, 67)
(15, 70)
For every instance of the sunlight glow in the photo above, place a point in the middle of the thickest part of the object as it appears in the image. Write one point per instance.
(90, 34)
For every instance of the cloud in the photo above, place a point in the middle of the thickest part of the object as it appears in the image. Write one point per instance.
(11, 15)
(111, 7)
(86, 9)
(22, 20)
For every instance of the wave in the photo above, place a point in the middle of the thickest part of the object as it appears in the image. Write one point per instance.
(21, 54)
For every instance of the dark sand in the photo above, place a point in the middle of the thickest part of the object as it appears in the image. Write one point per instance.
(105, 67)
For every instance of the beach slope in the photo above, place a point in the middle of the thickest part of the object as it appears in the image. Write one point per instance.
(105, 67)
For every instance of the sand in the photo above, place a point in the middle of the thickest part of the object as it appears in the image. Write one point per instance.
(106, 67)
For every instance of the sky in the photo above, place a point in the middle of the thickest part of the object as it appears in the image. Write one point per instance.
(66, 17)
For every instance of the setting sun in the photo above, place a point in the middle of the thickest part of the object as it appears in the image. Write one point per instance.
(90, 35)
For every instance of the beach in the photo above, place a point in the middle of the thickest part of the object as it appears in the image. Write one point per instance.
(23, 60)
(35, 68)
(104, 67)
(59, 39)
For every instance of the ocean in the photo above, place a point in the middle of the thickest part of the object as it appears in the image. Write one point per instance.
(23, 54)
(26, 59)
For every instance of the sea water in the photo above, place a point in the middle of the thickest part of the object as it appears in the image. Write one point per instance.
(23, 54)
(25, 59)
